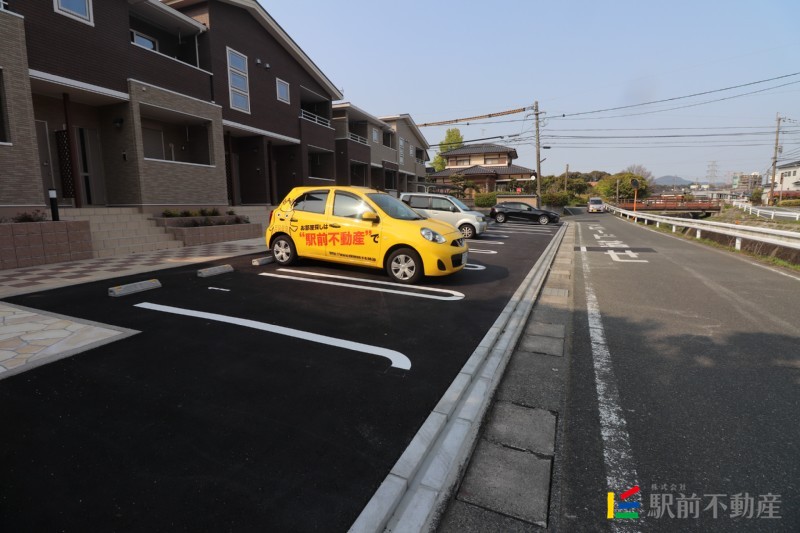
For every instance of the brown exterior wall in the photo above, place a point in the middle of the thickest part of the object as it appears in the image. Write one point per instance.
(168, 182)
(20, 178)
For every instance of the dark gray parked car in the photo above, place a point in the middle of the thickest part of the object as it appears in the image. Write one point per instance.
(522, 212)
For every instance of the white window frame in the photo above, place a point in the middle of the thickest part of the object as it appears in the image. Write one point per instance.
(376, 137)
(86, 19)
(135, 34)
(278, 83)
(231, 89)
(402, 150)
(410, 150)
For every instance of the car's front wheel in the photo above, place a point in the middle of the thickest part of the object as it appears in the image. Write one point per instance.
(283, 250)
(467, 231)
(404, 265)
(500, 218)
(543, 220)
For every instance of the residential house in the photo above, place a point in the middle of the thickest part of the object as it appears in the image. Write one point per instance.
(489, 166)
(787, 181)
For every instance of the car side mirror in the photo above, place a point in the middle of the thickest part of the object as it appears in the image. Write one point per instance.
(370, 216)
(453, 209)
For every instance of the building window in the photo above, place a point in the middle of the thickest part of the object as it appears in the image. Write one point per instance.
(77, 9)
(460, 161)
(238, 81)
(145, 41)
(410, 150)
(283, 90)
(376, 138)
(402, 151)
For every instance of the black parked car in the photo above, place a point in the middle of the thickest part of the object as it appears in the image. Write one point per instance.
(520, 211)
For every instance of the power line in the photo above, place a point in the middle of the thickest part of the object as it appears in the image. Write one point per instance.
(681, 97)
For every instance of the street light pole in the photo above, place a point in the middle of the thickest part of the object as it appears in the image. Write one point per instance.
(774, 160)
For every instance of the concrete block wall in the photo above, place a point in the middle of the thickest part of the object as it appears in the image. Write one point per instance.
(38, 243)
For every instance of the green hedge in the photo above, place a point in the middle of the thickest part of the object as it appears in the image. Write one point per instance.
(485, 199)
(790, 203)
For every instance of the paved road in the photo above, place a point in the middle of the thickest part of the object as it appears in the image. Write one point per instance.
(227, 411)
(685, 382)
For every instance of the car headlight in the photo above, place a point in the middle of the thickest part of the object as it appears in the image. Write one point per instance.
(430, 235)
(480, 219)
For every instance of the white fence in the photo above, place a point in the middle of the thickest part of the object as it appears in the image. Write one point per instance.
(767, 212)
(789, 239)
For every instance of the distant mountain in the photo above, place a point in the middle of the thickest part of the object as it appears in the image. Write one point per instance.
(672, 180)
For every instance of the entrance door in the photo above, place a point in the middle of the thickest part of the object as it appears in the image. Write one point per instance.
(45, 159)
(90, 166)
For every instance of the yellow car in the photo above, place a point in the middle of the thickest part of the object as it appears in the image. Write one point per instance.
(364, 227)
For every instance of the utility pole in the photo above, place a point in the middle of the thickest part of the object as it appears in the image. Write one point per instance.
(566, 178)
(774, 159)
(538, 157)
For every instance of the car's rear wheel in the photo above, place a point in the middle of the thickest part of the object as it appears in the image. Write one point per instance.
(543, 219)
(467, 231)
(500, 218)
(404, 265)
(283, 250)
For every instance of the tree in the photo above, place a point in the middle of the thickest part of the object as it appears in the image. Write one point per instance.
(607, 187)
(452, 140)
(640, 171)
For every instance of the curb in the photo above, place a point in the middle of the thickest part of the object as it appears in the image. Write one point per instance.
(416, 491)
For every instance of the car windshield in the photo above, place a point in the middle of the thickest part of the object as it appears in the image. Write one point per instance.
(394, 207)
(459, 203)
(595, 201)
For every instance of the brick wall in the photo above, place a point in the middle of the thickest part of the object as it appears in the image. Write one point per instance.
(20, 178)
(39, 243)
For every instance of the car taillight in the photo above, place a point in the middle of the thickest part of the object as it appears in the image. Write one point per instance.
(271, 213)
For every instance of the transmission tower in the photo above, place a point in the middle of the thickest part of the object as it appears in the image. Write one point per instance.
(711, 174)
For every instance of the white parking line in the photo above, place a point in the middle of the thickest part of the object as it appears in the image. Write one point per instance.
(486, 241)
(444, 294)
(398, 360)
(477, 251)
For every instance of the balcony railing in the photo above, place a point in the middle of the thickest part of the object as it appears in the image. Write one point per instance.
(358, 138)
(322, 121)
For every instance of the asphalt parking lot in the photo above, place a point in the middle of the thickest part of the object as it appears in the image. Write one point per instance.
(264, 398)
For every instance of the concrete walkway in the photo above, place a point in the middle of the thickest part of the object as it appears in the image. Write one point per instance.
(511, 482)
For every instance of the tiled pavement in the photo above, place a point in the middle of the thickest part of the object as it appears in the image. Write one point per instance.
(29, 337)
(32, 279)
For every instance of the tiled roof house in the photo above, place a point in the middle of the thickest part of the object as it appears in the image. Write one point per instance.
(489, 166)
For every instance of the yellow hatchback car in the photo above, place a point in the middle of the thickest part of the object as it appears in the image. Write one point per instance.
(364, 227)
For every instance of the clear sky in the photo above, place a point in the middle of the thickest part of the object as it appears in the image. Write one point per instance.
(445, 59)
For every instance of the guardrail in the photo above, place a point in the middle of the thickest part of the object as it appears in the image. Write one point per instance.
(767, 212)
(789, 239)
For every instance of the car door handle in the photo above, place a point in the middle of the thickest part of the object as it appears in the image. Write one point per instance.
(335, 225)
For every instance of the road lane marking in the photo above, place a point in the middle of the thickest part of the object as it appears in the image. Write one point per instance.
(470, 266)
(478, 251)
(618, 456)
(443, 294)
(398, 359)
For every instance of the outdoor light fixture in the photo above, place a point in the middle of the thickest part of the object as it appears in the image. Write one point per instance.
(118, 122)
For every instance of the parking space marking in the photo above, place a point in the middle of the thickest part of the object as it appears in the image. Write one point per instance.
(443, 294)
(397, 359)
(471, 266)
(477, 251)
(218, 289)
(484, 241)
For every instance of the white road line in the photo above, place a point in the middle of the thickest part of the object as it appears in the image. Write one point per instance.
(409, 291)
(477, 251)
(398, 360)
(620, 470)
(486, 241)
